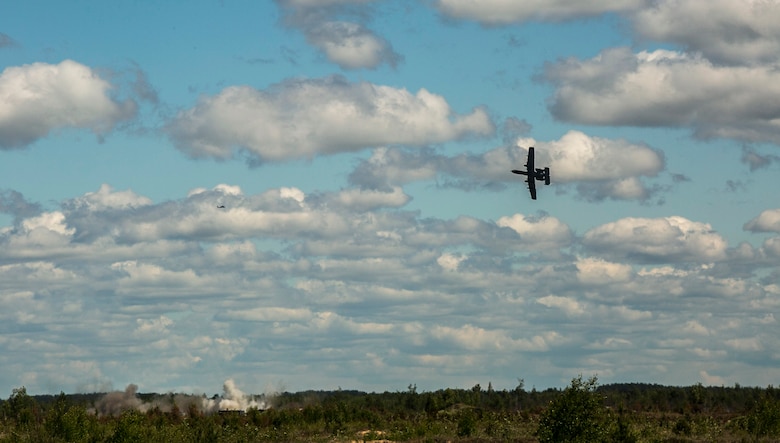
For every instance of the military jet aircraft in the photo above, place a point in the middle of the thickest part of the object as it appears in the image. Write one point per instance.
(221, 207)
(533, 173)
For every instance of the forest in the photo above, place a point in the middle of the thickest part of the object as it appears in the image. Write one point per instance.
(584, 411)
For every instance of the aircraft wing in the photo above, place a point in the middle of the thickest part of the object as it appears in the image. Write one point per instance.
(529, 166)
(532, 187)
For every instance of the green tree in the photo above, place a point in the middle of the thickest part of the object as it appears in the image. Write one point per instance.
(21, 408)
(576, 415)
(130, 427)
(67, 421)
(764, 418)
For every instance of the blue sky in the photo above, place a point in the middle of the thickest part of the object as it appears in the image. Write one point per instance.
(373, 236)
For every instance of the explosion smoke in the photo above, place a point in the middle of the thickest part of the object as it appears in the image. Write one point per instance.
(114, 403)
(233, 399)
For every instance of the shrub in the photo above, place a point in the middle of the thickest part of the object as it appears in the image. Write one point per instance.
(764, 419)
(576, 415)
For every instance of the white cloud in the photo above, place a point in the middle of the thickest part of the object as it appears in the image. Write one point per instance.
(711, 380)
(670, 238)
(767, 221)
(503, 12)
(48, 230)
(155, 279)
(293, 194)
(579, 157)
(304, 118)
(628, 314)
(473, 338)
(107, 198)
(367, 200)
(772, 246)
(596, 271)
(38, 98)
(666, 88)
(153, 327)
(271, 314)
(50, 221)
(745, 344)
(611, 343)
(696, 328)
(450, 262)
(568, 305)
(724, 31)
(349, 44)
(545, 231)
(601, 168)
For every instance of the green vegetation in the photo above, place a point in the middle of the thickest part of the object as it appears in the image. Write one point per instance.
(582, 412)
(577, 415)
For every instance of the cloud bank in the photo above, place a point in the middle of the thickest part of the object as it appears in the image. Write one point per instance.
(351, 278)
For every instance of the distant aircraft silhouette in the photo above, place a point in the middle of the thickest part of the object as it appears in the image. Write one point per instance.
(533, 173)
(221, 207)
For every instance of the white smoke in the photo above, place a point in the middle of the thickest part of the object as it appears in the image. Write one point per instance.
(114, 403)
(232, 399)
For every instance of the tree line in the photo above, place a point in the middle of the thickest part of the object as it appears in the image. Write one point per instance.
(581, 412)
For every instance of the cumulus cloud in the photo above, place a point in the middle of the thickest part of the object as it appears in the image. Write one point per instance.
(767, 221)
(107, 198)
(771, 246)
(544, 230)
(349, 44)
(39, 98)
(568, 305)
(667, 88)
(504, 12)
(667, 238)
(304, 118)
(601, 168)
(724, 31)
(577, 156)
(596, 271)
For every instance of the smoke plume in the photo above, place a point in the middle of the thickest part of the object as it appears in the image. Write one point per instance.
(232, 399)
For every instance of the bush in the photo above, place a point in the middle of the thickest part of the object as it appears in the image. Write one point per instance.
(577, 415)
(764, 419)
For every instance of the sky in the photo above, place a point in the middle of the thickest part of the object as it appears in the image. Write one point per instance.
(372, 235)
